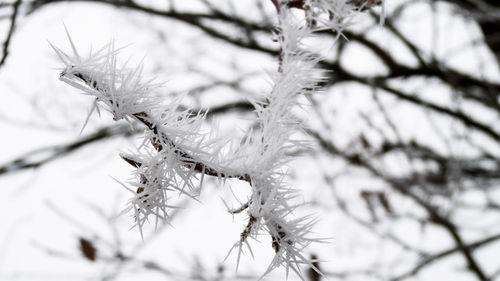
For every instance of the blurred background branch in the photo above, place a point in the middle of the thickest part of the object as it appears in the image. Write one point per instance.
(406, 135)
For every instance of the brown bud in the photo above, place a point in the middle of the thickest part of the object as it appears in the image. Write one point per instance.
(87, 249)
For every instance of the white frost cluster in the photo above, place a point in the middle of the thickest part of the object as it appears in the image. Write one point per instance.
(335, 15)
(270, 206)
(121, 89)
(177, 154)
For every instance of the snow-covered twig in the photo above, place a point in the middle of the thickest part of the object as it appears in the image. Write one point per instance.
(180, 154)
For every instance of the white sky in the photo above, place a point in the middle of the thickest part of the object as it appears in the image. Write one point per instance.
(29, 223)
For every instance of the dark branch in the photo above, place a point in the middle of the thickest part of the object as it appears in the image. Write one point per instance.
(6, 43)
